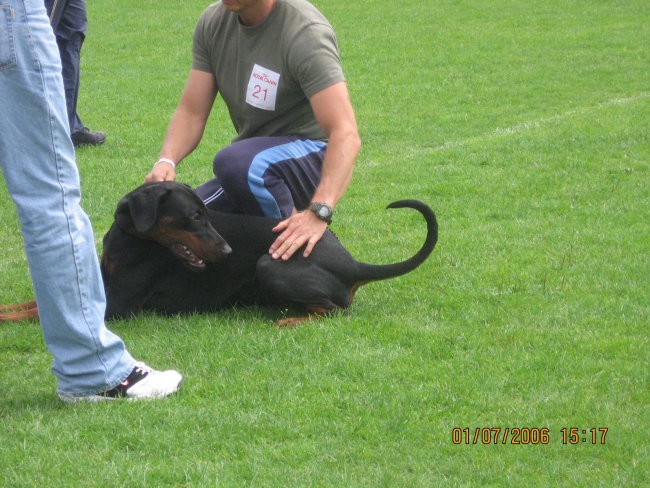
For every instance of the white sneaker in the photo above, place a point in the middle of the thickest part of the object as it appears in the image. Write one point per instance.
(142, 383)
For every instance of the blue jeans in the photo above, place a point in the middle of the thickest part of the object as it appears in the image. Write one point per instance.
(38, 162)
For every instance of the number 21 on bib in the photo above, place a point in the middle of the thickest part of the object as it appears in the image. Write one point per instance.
(262, 88)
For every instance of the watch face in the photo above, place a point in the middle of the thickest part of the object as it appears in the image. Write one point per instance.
(323, 211)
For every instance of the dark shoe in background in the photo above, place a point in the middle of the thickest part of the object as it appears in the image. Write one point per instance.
(86, 137)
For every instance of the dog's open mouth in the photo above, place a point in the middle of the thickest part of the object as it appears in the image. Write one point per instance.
(189, 259)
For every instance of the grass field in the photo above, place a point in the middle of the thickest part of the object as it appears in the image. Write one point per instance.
(525, 126)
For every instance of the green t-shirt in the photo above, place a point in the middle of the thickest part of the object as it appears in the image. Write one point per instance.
(267, 73)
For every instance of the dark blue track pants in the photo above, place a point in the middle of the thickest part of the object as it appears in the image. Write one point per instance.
(268, 176)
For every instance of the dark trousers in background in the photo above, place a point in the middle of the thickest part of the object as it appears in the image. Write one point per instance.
(69, 22)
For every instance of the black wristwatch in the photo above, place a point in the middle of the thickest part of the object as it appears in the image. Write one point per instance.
(323, 211)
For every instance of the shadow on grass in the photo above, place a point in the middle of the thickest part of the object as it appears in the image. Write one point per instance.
(231, 317)
(16, 403)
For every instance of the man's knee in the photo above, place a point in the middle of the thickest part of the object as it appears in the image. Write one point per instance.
(231, 166)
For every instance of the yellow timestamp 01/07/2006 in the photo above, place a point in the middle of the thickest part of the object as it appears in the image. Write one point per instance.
(529, 435)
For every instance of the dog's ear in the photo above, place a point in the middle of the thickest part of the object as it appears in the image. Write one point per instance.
(138, 210)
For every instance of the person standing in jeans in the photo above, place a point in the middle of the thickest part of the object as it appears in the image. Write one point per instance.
(37, 160)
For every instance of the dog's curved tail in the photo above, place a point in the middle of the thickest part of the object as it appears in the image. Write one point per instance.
(374, 272)
(18, 311)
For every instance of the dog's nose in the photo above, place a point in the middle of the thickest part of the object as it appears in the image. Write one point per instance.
(226, 249)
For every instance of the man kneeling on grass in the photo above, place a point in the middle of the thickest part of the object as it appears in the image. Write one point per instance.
(277, 67)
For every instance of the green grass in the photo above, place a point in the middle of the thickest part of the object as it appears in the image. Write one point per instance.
(525, 126)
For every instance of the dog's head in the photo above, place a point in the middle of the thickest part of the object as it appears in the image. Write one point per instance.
(174, 216)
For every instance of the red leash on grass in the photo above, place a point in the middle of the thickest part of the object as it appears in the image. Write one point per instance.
(18, 311)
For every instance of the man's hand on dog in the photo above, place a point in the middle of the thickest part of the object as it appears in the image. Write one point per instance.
(161, 172)
(300, 228)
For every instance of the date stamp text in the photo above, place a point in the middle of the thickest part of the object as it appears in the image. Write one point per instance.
(528, 435)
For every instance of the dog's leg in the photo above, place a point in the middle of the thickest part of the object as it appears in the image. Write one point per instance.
(300, 282)
(312, 314)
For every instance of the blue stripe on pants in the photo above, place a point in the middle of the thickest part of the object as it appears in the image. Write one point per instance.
(266, 159)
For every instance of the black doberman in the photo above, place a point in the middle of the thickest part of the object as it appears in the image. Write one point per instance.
(166, 252)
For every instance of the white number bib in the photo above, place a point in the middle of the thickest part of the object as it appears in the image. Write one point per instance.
(262, 88)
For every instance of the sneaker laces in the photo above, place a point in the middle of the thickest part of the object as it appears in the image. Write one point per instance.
(142, 368)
